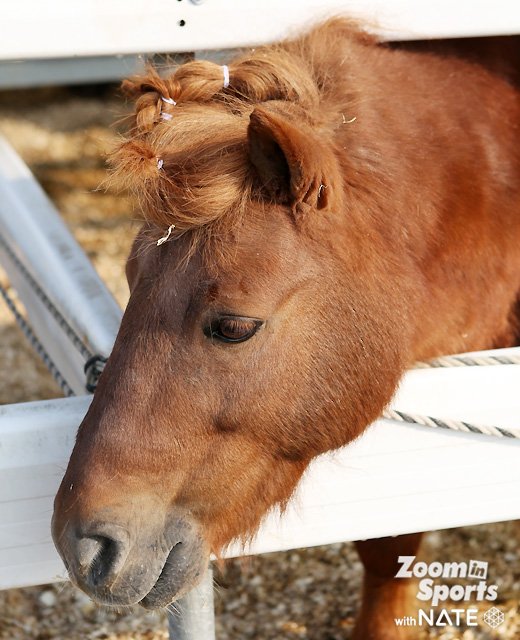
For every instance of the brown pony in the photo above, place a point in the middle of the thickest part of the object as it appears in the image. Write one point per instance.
(332, 210)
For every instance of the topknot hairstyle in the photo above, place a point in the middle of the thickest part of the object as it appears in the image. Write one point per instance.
(185, 158)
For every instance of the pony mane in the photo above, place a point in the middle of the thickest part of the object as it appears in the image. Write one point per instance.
(185, 158)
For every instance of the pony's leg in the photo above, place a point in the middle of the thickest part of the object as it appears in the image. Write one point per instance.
(385, 597)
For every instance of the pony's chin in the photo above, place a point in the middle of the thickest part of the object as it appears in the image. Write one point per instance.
(183, 570)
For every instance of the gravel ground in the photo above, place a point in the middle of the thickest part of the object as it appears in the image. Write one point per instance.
(310, 593)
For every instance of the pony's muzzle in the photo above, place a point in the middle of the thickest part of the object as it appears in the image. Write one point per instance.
(96, 558)
(123, 565)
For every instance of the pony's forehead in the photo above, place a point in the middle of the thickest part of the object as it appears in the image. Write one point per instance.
(264, 242)
(254, 277)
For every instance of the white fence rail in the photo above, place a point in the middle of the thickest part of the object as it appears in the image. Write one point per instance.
(88, 40)
(395, 479)
(34, 239)
(93, 28)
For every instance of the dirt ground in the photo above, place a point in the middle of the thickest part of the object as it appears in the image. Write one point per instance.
(312, 593)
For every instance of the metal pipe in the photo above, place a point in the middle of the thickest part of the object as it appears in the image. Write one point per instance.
(193, 617)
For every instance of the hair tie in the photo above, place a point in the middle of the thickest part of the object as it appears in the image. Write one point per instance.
(168, 100)
(225, 71)
(164, 115)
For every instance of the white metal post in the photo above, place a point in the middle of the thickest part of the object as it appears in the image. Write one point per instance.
(192, 617)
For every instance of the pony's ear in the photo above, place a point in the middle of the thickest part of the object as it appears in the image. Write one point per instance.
(287, 160)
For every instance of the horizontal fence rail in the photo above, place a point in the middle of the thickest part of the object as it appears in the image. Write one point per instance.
(85, 28)
(394, 479)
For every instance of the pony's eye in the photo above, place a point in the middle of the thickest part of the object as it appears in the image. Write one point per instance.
(232, 328)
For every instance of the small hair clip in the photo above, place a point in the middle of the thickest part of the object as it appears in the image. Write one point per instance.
(225, 71)
(166, 235)
(160, 163)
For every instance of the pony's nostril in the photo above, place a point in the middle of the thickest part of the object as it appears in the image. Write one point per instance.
(105, 561)
(87, 551)
(99, 558)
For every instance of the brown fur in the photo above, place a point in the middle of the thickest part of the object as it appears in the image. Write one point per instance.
(362, 202)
